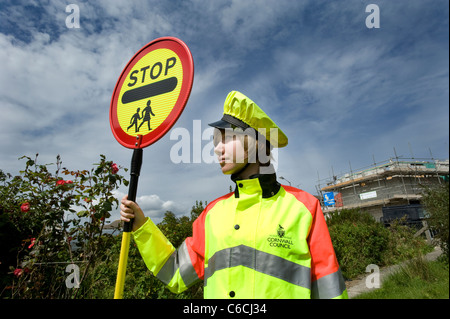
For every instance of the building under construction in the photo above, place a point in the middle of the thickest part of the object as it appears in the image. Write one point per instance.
(394, 182)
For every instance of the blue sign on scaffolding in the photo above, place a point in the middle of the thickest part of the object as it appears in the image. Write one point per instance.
(328, 199)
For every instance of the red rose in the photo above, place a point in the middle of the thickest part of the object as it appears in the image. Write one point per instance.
(69, 182)
(18, 272)
(114, 168)
(25, 207)
(60, 182)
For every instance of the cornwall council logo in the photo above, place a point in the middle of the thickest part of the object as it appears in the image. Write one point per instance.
(280, 240)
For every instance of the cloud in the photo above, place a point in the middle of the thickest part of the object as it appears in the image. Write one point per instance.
(154, 206)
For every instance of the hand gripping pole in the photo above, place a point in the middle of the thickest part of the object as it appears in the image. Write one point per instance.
(136, 163)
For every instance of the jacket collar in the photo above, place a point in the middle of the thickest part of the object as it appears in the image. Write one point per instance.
(267, 182)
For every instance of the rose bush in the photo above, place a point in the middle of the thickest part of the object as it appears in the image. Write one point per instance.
(48, 221)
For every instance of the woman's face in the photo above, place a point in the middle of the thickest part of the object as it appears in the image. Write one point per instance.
(230, 150)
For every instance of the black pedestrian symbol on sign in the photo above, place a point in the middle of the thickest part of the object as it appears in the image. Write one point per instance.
(134, 119)
(145, 117)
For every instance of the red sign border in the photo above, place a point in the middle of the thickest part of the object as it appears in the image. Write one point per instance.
(183, 52)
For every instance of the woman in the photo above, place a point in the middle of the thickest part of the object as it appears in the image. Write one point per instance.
(264, 240)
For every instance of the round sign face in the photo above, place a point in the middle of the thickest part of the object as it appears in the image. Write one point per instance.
(151, 92)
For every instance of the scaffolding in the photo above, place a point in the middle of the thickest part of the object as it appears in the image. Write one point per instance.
(396, 181)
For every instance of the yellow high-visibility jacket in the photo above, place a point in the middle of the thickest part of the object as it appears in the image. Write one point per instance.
(265, 240)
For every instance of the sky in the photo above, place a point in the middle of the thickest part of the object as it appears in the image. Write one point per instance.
(347, 83)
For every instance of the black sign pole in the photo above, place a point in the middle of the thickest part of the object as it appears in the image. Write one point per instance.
(136, 163)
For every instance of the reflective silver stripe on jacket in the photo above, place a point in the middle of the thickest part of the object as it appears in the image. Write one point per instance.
(329, 286)
(179, 260)
(259, 261)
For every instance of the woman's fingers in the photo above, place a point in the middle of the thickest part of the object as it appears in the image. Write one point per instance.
(126, 210)
(130, 210)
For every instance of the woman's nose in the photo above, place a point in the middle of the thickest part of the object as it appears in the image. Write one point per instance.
(218, 148)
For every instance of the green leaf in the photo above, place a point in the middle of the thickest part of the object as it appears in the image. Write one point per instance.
(83, 213)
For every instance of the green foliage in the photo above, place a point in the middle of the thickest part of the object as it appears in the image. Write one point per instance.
(436, 202)
(53, 222)
(417, 279)
(352, 216)
(359, 240)
(402, 244)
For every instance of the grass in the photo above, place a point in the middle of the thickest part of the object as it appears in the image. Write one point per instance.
(417, 279)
